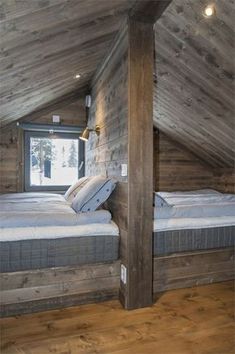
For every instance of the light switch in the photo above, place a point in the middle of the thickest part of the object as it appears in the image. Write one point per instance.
(123, 273)
(124, 170)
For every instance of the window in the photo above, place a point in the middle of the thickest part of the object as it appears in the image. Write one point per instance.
(52, 161)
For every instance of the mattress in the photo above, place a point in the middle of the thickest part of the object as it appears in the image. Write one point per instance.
(57, 247)
(175, 241)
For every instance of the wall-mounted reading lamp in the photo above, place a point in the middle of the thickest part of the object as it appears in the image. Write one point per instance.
(86, 133)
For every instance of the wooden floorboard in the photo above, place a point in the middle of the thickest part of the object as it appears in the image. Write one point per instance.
(195, 320)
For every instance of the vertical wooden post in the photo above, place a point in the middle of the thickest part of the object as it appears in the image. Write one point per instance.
(137, 292)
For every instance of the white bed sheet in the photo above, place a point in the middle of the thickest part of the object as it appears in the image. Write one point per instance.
(38, 219)
(192, 223)
(195, 211)
(42, 202)
(44, 209)
(52, 232)
(15, 197)
(200, 197)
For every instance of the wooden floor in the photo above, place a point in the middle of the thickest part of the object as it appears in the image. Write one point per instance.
(196, 320)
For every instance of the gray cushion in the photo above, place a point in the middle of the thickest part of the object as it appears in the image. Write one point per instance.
(93, 194)
(75, 188)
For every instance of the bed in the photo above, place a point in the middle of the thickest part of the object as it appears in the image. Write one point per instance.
(42, 231)
(56, 251)
(193, 238)
(197, 220)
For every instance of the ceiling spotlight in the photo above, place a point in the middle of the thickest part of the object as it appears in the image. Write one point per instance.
(209, 11)
(77, 76)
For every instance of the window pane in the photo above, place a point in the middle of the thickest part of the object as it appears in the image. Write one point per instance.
(53, 162)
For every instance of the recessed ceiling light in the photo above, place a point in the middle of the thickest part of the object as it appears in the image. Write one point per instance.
(77, 76)
(209, 11)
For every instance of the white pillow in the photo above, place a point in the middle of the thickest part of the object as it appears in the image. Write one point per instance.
(75, 188)
(93, 194)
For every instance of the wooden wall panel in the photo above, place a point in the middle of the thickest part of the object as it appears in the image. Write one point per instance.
(8, 160)
(11, 164)
(189, 269)
(49, 288)
(105, 153)
(176, 168)
(225, 180)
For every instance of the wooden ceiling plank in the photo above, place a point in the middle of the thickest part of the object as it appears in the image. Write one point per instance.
(172, 102)
(42, 74)
(188, 117)
(197, 137)
(191, 93)
(195, 80)
(191, 23)
(224, 149)
(10, 10)
(191, 59)
(84, 11)
(29, 58)
(187, 142)
(148, 10)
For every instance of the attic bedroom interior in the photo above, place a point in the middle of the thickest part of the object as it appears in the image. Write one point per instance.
(117, 204)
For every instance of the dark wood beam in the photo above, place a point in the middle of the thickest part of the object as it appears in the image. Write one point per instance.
(137, 292)
(148, 10)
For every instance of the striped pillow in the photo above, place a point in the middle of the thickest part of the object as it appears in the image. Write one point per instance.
(93, 194)
(75, 188)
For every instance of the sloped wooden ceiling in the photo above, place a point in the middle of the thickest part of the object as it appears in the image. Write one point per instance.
(44, 43)
(194, 83)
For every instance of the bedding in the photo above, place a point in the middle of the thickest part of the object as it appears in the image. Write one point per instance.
(195, 211)
(42, 230)
(192, 223)
(163, 199)
(75, 188)
(199, 197)
(16, 197)
(37, 219)
(195, 220)
(93, 194)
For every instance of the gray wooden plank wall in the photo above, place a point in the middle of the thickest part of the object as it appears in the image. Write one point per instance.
(176, 168)
(11, 164)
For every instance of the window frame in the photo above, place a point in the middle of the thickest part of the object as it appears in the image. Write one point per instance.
(58, 135)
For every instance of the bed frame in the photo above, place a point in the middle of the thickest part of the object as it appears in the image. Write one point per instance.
(52, 288)
(188, 269)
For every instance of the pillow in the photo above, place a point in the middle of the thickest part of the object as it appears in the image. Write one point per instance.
(93, 194)
(159, 201)
(75, 188)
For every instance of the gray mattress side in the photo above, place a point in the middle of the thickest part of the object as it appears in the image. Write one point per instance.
(175, 241)
(58, 252)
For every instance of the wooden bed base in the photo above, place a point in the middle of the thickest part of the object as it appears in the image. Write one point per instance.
(46, 289)
(53, 288)
(188, 269)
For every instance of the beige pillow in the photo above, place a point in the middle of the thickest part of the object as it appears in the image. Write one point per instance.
(75, 188)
